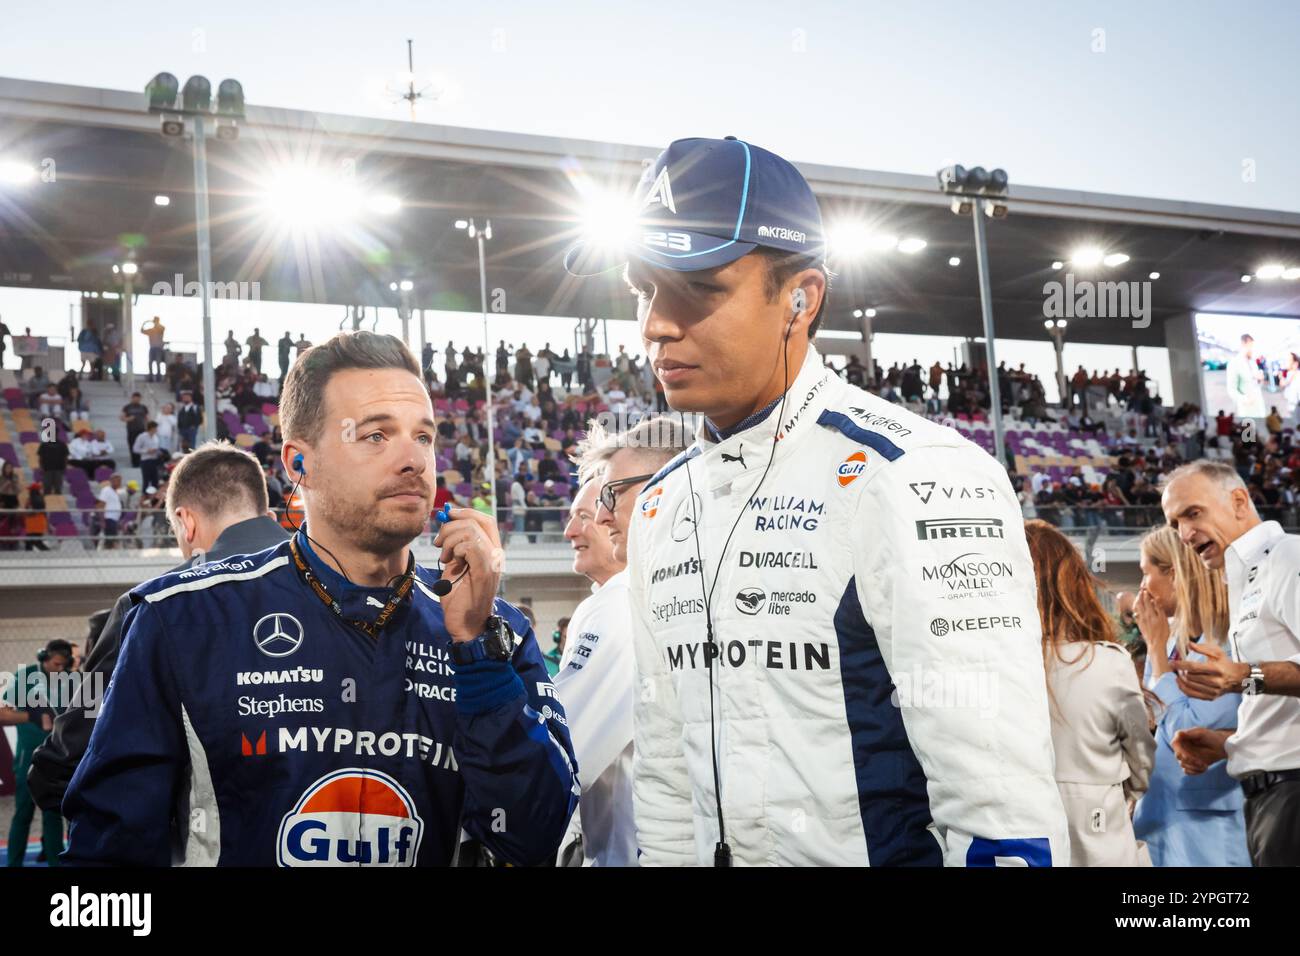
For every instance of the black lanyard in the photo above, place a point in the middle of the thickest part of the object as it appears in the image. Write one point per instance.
(370, 627)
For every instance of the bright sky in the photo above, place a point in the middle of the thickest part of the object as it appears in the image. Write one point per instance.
(1182, 99)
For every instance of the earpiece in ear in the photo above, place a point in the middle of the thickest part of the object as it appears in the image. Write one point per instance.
(297, 464)
(798, 300)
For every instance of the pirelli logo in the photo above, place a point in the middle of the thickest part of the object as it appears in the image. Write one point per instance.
(943, 529)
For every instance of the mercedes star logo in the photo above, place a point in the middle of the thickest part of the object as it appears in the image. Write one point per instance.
(278, 635)
(684, 518)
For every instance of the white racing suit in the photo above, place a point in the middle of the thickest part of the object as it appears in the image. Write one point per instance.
(879, 693)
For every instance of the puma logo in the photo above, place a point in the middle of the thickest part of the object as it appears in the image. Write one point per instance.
(740, 457)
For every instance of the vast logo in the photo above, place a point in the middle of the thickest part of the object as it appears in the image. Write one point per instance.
(351, 817)
(650, 506)
(684, 517)
(925, 491)
(851, 468)
(750, 600)
(278, 635)
(939, 529)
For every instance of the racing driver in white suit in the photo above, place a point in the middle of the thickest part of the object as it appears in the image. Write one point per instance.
(836, 629)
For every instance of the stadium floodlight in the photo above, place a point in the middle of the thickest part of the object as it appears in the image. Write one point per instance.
(1153, 276)
(161, 200)
(16, 173)
(406, 285)
(1086, 257)
(1245, 277)
(870, 313)
(911, 245)
(968, 186)
(462, 223)
(857, 313)
(954, 261)
(162, 91)
(1271, 270)
(607, 221)
(130, 268)
(385, 205)
(1115, 259)
(197, 95)
(1292, 273)
(852, 240)
(230, 99)
(1058, 265)
(306, 197)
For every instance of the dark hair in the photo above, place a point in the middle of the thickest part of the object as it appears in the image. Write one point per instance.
(302, 408)
(782, 266)
(217, 478)
(58, 646)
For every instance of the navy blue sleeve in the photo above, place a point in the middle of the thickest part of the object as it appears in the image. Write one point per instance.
(515, 755)
(121, 798)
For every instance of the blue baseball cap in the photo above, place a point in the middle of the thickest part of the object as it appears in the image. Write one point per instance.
(707, 202)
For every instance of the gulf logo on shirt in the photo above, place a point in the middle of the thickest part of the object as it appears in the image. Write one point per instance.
(351, 817)
(850, 468)
(650, 507)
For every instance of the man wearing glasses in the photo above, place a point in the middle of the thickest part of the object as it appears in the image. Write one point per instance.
(597, 675)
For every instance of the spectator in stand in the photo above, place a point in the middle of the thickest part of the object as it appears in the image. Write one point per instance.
(136, 416)
(565, 365)
(155, 332)
(524, 366)
(481, 500)
(284, 347)
(148, 449)
(11, 522)
(302, 344)
(542, 365)
(91, 350)
(442, 494)
(1185, 820)
(35, 521)
(518, 501)
(464, 457)
(233, 350)
(109, 506)
(1224, 424)
(583, 365)
(113, 351)
(188, 419)
(518, 456)
(53, 456)
(70, 389)
(4, 334)
(262, 450)
(1104, 750)
(167, 434)
(49, 404)
(255, 344)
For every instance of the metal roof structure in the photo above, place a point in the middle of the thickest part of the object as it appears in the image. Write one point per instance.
(107, 159)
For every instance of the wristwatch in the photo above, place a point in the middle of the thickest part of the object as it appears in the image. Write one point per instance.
(496, 643)
(1253, 683)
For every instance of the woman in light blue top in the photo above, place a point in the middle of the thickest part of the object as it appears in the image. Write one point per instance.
(1196, 820)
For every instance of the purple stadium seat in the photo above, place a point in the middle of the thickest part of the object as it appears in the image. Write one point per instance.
(103, 473)
(8, 454)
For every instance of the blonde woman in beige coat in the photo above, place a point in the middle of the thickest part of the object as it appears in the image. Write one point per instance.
(1100, 723)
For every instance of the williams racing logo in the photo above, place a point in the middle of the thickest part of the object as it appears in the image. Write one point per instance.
(351, 817)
